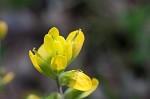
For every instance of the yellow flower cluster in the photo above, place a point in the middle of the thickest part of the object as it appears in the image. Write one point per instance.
(54, 55)
(56, 52)
(78, 80)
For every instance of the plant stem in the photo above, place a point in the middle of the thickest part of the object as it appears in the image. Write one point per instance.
(59, 88)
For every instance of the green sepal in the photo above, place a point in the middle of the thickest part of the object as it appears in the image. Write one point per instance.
(72, 94)
(65, 77)
(44, 65)
(47, 71)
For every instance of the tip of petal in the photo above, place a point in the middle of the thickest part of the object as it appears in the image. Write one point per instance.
(30, 53)
(95, 81)
(54, 32)
(33, 60)
(95, 84)
(54, 28)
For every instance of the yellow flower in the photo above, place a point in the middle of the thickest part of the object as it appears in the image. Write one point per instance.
(72, 93)
(76, 79)
(33, 96)
(8, 78)
(56, 52)
(3, 29)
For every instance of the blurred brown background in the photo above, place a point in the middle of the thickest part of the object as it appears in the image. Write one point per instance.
(116, 48)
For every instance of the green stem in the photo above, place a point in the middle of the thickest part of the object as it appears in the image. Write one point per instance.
(59, 88)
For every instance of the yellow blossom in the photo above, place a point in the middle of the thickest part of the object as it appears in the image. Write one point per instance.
(76, 79)
(3, 29)
(8, 78)
(72, 93)
(33, 96)
(56, 52)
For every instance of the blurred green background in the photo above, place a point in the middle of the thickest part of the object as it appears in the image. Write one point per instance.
(116, 48)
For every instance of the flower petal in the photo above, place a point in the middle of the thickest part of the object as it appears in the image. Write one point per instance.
(95, 83)
(43, 53)
(82, 81)
(33, 59)
(68, 52)
(76, 38)
(54, 32)
(52, 47)
(48, 44)
(58, 48)
(58, 63)
(41, 65)
(61, 40)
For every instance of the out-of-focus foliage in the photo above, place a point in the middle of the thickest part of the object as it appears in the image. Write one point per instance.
(16, 3)
(135, 22)
(5, 77)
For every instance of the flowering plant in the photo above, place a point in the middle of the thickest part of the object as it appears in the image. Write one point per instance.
(52, 58)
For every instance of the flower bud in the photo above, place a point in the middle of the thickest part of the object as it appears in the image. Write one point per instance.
(3, 29)
(33, 96)
(76, 79)
(77, 39)
(8, 78)
(71, 93)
